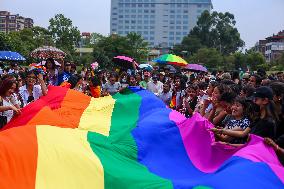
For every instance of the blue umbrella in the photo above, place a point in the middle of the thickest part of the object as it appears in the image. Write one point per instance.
(9, 55)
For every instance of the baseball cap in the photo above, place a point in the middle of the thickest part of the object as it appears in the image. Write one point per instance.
(264, 92)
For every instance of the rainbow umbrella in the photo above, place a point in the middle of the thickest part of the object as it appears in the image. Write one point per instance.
(171, 59)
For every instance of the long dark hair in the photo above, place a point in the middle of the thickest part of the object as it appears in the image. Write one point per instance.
(5, 86)
(270, 111)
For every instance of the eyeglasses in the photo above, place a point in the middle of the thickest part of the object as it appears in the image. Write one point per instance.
(31, 77)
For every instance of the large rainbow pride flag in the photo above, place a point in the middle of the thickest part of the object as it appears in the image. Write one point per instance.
(131, 140)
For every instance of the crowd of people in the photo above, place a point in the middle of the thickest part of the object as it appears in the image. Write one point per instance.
(236, 103)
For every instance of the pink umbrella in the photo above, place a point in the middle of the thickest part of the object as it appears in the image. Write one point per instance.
(196, 67)
(125, 62)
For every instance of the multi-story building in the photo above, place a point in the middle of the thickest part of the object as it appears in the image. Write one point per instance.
(272, 47)
(163, 23)
(13, 22)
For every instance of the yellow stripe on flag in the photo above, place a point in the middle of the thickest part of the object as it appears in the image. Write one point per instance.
(97, 116)
(66, 160)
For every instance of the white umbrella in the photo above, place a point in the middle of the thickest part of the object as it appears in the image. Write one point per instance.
(145, 66)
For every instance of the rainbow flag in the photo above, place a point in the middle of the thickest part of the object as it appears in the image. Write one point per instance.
(68, 140)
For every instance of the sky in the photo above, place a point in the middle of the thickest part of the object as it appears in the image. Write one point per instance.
(256, 19)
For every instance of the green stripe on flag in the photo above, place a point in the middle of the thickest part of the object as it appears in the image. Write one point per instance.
(118, 152)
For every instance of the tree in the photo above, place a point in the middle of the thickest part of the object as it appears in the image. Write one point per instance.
(136, 46)
(4, 42)
(254, 59)
(190, 44)
(213, 30)
(132, 45)
(64, 34)
(42, 36)
(210, 57)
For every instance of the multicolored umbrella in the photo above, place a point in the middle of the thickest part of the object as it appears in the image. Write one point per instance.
(171, 59)
(9, 55)
(48, 52)
(125, 62)
(196, 67)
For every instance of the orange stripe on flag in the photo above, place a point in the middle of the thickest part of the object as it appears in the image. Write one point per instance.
(18, 154)
(72, 108)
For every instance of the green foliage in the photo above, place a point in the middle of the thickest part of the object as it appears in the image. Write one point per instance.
(4, 42)
(132, 45)
(25, 41)
(210, 57)
(64, 34)
(278, 65)
(214, 32)
(217, 30)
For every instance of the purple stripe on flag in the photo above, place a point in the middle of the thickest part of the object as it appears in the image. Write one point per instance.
(208, 155)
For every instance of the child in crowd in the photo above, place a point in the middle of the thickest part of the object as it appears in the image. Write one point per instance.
(237, 121)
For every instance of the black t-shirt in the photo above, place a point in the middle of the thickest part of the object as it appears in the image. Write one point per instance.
(192, 105)
(264, 128)
(280, 141)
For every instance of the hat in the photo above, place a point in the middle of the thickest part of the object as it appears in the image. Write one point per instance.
(264, 92)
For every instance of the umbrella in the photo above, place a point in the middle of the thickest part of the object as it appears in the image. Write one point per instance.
(146, 66)
(48, 52)
(196, 67)
(125, 62)
(9, 55)
(171, 59)
(171, 68)
(42, 63)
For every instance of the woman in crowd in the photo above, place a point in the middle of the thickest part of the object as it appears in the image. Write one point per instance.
(265, 124)
(218, 111)
(238, 120)
(35, 88)
(52, 72)
(207, 105)
(112, 86)
(190, 99)
(7, 106)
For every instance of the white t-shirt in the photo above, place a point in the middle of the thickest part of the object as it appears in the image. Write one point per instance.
(155, 88)
(23, 91)
(8, 113)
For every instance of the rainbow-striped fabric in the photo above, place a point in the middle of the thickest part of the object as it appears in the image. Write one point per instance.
(67, 140)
